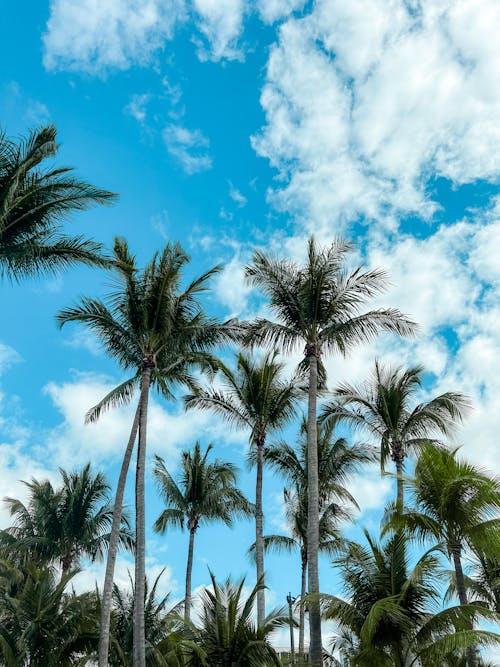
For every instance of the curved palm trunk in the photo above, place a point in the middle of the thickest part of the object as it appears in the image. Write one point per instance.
(259, 529)
(462, 596)
(399, 481)
(189, 571)
(315, 643)
(139, 650)
(107, 591)
(302, 611)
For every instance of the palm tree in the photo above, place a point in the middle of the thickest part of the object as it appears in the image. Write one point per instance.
(258, 398)
(337, 462)
(63, 524)
(41, 623)
(206, 492)
(319, 308)
(33, 203)
(161, 624)
(456, 506)
(159, 333)
(227, 634)
(385, 406)
(390, 617)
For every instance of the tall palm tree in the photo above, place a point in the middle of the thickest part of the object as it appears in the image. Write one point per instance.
(33, 203)
(159, 333)
(256, 397)
(386, 407)
(390, 617)
(227, 634)
(205, 492)
(337, 462)
(456, 506)
(319, 308)
(62, 524)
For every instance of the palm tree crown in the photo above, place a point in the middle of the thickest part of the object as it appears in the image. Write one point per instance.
(206, 492)
(385, 407)
(34, 202)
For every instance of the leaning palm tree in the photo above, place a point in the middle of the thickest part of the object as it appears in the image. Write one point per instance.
(227, 634)
(319, 308)
(62, 525)
(385, 406)
(456, 506)
(337, 462)
(205, 493)
(159, 333)
(33, 203)
(256, 397)
(390, 617)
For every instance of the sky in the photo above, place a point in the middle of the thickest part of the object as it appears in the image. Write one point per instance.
(231, 125)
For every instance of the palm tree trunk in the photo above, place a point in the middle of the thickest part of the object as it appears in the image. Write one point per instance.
(462, 596)
(315, 643)
(259, 529)
(399, 482)
(107, 591)
(139, 649)
(302, 611)
(189, 571)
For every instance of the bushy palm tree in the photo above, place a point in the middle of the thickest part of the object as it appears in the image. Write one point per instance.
(34, 202)
(41, 623)
(258, 398)
(64, 524)
(337, 462)
(158, 332)
(386, 407)
(456, 506)
(227, 634)
(206, 492)
(391, 616)
(162, 647)
(319, 308)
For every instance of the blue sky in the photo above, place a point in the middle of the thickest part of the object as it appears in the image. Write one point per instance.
(241, 123)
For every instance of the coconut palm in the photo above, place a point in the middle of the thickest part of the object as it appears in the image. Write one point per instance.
(386, 407)
(34, 202)
(158, 332)
(205, 493)
(256, 397)
(41, 623)
(456, 506)
(337, 462)
(62, 525)
(391, 616)
(227, 634)
(319, 308)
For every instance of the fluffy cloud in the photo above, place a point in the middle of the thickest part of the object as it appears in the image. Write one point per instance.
(221, 23)
(365, 101)
(93, 36)
(188, 147)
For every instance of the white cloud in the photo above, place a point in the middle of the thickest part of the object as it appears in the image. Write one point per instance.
(239, 198)
(137, 107)
(231, 288)
(188, 147)
(221, 23)
(274, 10)
(365, 101)
(92, 36)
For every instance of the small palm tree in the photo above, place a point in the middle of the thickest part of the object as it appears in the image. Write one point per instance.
(158, 332)
(319, 308)
(385, 407)
(456, 506)
(64, 524)
(227, 634)
(41, 623)
(390, 617)
(258, 398)
(205, 493)
(33, 203)
(337, 462)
